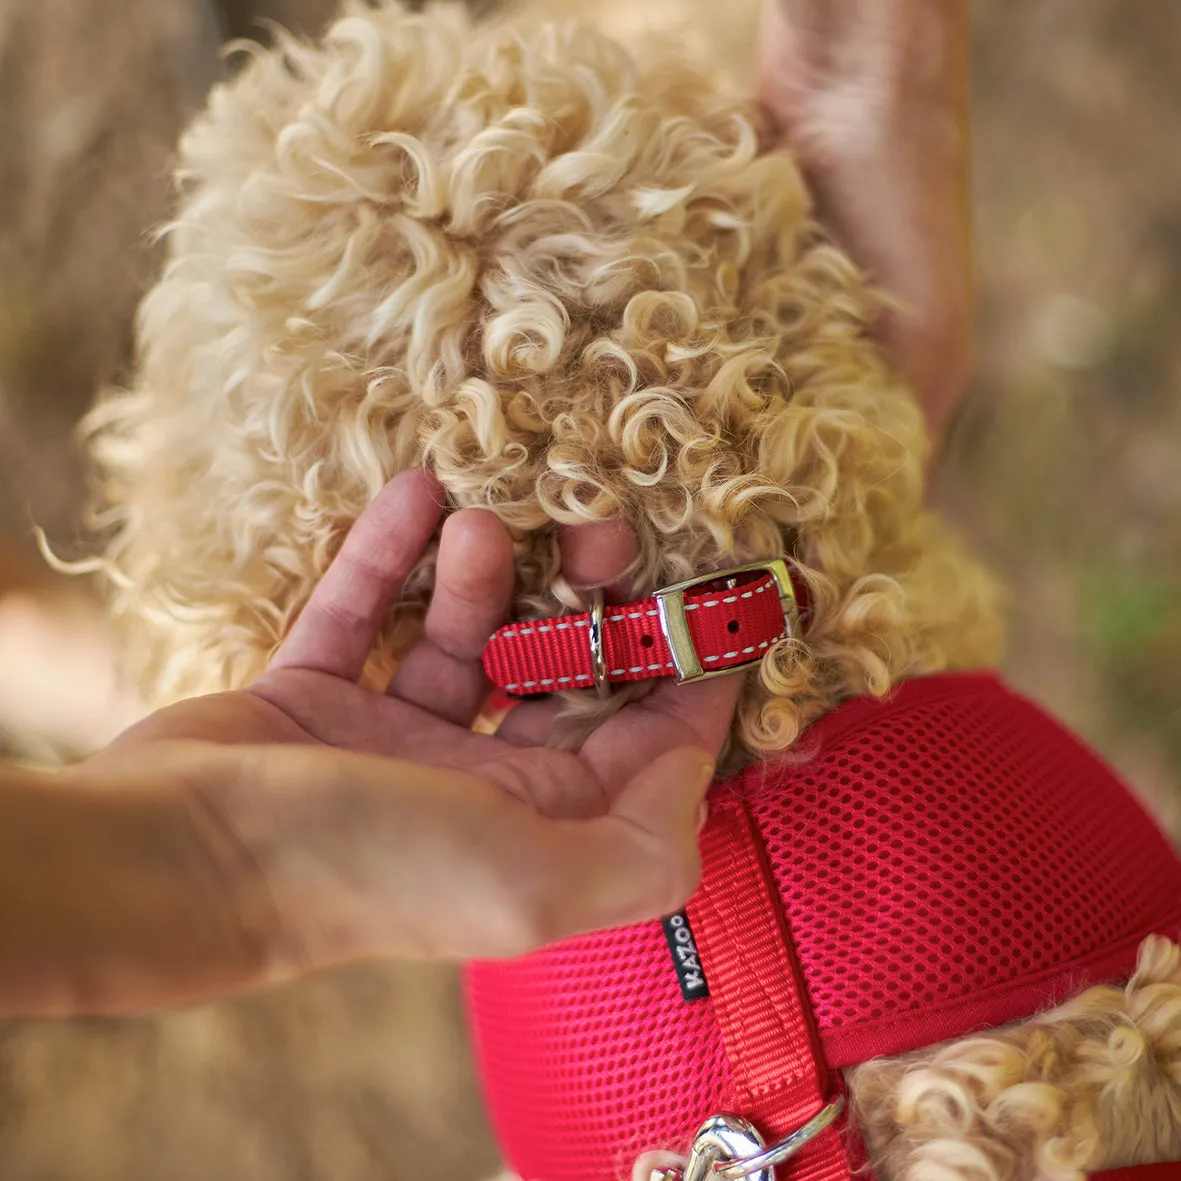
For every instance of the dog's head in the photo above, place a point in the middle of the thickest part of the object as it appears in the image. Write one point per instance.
(570, 281)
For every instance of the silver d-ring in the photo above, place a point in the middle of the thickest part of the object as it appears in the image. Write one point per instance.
(745, 1166)
(595, 640)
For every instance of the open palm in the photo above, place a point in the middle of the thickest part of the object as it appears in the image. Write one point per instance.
(310, 692)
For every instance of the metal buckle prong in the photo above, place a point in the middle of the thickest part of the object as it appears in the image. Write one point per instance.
(673, 619)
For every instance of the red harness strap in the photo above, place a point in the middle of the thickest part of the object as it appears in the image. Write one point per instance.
(758, 993)
(1169, 1171)
(728, 627)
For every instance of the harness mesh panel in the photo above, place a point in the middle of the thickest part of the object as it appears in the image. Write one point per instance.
(949, 860)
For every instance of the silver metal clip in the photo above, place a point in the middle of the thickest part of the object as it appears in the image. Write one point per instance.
(730, 1148)
(724, 1138)
(764, 1162)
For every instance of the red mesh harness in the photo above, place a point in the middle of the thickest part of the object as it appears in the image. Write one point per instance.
(917, 869)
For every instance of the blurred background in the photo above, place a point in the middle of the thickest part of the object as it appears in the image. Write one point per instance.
(1064, 468)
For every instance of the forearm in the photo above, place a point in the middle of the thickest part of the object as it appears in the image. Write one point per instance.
(110, 898)
(195, 869)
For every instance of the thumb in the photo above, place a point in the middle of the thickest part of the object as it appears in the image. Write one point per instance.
(666, 796)
(637, 863)
(663, 805)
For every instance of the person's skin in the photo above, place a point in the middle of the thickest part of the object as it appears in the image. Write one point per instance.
(249, 837)
(873, 96)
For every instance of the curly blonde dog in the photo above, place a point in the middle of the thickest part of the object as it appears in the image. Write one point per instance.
(571, 282)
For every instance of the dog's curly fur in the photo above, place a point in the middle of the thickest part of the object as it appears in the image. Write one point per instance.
(571, 282)
(1093, 1084)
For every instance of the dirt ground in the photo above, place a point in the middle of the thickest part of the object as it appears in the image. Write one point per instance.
(1064, 468)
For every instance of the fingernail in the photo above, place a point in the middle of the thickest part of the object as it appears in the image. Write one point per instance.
(706, 774)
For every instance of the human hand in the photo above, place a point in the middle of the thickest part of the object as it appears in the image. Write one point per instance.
(257, 850)
(873, 99)
(310, 693)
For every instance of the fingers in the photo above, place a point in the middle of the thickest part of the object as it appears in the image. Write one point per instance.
(337, 629)
(595, 555)
(598, 555)
(671, 716)
(473, 590)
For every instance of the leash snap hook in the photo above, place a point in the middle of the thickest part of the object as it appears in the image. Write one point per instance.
(722, 1139)
(729, 1148)
(762, 1163)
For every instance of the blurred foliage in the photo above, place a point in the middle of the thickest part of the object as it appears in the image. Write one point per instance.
(1065, 467)
(1132, 626)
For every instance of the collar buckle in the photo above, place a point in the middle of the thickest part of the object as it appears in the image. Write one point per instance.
(675, 625)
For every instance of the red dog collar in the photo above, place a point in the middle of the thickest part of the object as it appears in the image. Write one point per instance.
(705, 627)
